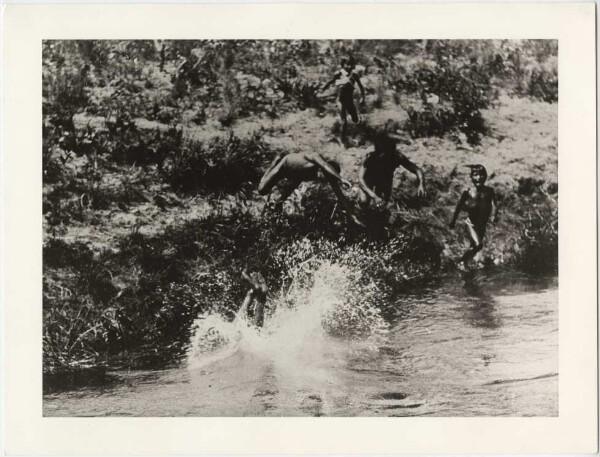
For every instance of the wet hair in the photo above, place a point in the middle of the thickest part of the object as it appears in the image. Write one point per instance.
(478, 168)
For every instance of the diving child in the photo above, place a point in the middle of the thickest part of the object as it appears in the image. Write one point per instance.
(298, 167)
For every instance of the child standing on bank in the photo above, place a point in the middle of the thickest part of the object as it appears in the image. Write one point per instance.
(345, 79)
(376, 174)
(479, 202)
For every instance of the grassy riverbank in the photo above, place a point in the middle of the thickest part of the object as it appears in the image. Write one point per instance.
(151, 165)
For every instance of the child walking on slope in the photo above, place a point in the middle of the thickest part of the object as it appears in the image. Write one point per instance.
(479, 202)
(345, 79)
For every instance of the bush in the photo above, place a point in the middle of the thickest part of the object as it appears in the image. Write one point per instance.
(128, 144)
(223, 165)
(429, 121)
(60, 207)
(528, 186)
(75, 332)
(59, 254)
(538, 252)
(81, 322)
(543, 85)
(51, 155)
(451, 95)
(301, 93)
(176, 305)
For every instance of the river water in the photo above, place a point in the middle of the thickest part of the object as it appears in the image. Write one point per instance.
(481, 346)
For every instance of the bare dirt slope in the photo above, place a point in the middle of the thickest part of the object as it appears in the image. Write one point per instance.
(522, 144)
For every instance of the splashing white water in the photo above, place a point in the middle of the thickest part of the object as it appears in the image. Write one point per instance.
(324, 305)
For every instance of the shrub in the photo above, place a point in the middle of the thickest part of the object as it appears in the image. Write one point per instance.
(59, 254)
(128, 144)
(429, 121)
(65, 90)
(79, 333)
(451, 95)
(80, 321)
(527, 186)
(176, 305)
(543, 85)
(59, 207)
(223, 165)
(301, 93)
(539, 242)
(53, 158)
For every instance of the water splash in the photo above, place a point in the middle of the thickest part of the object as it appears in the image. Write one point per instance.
(325, 301)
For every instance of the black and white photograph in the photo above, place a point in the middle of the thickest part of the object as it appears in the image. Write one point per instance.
(300, 228)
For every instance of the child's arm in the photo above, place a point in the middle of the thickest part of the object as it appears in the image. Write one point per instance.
(458, 209)
(494, 206)
(360, 87)
(415, 170)
(331, 81)
(278, 158)
(180, 66)
(363, 183)
(317, 160)
(246, 277)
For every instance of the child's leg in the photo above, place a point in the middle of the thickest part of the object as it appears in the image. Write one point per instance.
(343, 112)
(351, 109)
(476, 240)
(245, 309)
(343, 116)
(259, 313)
(270, 179)
(346, 205)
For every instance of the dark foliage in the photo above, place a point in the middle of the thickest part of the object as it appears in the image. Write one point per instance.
(539, 251)
(543, 85)
(452, 96)
(222, 165)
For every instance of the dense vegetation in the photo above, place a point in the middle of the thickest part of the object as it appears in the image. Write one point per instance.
(133, 128)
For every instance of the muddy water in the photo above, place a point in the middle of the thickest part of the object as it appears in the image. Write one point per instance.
(481, 346)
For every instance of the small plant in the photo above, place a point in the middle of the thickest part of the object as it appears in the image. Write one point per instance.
(451, 96)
